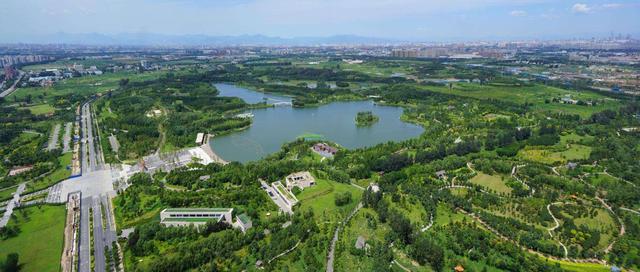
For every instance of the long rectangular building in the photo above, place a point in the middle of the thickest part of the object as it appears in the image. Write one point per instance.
(173, 217)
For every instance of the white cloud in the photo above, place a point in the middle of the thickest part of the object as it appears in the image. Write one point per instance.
(581, 8)
(518, 13)
(612, 5)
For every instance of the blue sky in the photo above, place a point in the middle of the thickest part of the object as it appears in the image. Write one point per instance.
(423, 20)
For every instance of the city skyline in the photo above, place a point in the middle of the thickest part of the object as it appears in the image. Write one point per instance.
(404, 20)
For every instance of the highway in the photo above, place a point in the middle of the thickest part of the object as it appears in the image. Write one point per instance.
(98, 236)
(85, 247)
(13, 87)
(96, 185)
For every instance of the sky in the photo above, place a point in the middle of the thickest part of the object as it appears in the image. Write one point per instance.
(414, 20)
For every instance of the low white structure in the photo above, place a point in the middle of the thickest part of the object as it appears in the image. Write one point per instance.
(175, 217)
(200, 138)
(300, 179)
(243, 222)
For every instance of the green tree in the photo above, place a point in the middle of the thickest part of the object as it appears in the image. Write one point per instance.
(12, 263)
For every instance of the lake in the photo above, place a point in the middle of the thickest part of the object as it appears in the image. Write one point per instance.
(275, 126)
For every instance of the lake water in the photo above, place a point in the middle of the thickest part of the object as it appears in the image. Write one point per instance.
(275, 126)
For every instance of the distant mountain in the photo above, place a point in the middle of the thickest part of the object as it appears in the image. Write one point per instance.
(148, 39)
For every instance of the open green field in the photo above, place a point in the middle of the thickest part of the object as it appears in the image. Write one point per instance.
(59, 174)
(411, 208)
(581, 267)
(445, 216)
(535, 94)
(41, 109)
(321, 198)
(62, 64)
(7, 193)
(40, 240)
(553, 155)
(492, 182)
(85, 85)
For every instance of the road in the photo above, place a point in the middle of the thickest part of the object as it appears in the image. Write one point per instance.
(85, 247)
(98, 236)
(12, 204)
(275, 198)
(13, 87)
(96, 185)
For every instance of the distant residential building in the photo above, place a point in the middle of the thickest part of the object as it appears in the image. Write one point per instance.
(300, 179)
(325, 150)
(572, 165)
(10, 72)
(176, 217)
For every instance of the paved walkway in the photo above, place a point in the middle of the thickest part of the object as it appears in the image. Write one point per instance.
(332, 248)
(12, 204)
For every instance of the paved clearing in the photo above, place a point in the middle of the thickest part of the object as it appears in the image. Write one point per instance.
(53, 138)
(66, 138)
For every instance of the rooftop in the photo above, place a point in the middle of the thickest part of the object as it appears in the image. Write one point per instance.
(191, 219)
(244, 218)
(198, 210)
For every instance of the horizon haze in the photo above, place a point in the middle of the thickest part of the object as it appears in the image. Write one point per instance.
(113, 21)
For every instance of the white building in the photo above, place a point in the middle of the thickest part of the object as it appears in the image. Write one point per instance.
(176, 217)
(200, 138)
(300, 179)
(243, 222)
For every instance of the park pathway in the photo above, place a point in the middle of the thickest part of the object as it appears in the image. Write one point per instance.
(332, 248)
(550, 230)
(12, 204)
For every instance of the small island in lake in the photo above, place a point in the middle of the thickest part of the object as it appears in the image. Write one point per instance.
(366, 118)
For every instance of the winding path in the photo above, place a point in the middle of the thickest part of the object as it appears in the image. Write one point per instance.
(285, 252)
(550, 230)
(491, 229)
(630, 210)
(332, 248)
(622, 230)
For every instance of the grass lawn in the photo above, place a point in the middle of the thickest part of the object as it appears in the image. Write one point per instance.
(40, 240)
(85, 85)
(59, 174)
(321, 198)
(581, 267)
(411, 208)
(7, 193)
(41, 109)
(603, 222)
(553, 155)
(445, 216)
(493, 182)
